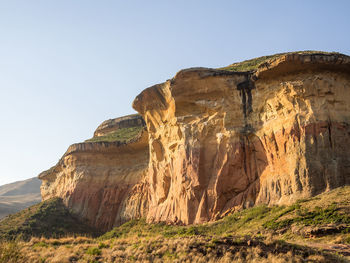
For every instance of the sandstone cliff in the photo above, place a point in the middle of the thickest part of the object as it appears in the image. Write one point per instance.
(217, 140)
(220, 140)
(98, 180)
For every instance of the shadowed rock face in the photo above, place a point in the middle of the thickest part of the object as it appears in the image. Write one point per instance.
(98, 180)
(221, 140)
(216, 141)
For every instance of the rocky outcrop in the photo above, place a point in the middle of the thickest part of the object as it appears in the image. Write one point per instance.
(216, 141)
(98, 180)
(222, 140)
(108, 126)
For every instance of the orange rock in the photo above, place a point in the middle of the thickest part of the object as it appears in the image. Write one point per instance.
(98, 181)
(216, 141)
(223, 140)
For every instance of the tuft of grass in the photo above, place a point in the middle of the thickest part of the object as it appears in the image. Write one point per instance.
(170, 255)
(94, 251)
(102, 245)
(41, 244)
(121, 135)
(10, 252)
(347, 240)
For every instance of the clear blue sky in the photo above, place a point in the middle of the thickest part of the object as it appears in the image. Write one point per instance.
(66, 66)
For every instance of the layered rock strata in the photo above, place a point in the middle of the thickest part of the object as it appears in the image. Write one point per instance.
(98, 180)
(216, 141)
(222, 140)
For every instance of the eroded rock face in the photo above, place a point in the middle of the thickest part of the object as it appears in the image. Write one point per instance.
(99, 180)
(216, 141)
(223, 140)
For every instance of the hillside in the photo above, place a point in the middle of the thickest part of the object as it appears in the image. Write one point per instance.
(311, 230)
(19, 195)
(46, 219)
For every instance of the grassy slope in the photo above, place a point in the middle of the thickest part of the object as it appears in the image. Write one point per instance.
(306, 215)
(253, 64)
(315, 230)
(49, 219)
(122, 135)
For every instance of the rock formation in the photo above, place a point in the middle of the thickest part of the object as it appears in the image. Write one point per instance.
(98, 180)
(113, 125)
(217, 140)
(221, 140)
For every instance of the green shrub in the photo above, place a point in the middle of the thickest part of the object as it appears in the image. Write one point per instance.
(40, 244)
(347, 240)
(102, 245)
(94, 251)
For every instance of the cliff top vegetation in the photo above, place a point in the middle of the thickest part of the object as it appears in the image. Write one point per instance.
(121, 135)
(253, 64)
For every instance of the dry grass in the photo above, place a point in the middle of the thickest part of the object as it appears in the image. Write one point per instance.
(240, 237)
(189, 249)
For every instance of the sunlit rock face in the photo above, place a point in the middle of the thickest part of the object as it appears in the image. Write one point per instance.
(99, 181)
(215, 141)
(221, 140)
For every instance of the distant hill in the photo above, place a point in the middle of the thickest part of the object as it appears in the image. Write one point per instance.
(19, 195)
